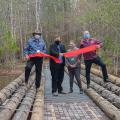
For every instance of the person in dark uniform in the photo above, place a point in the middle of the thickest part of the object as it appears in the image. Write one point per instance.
(34, 45)
(57, 69)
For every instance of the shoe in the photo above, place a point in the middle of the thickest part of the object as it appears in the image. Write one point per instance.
(37, 87)
(88, 86)
(61, 93)
(71, 92)
(81, 91)
(107, 80)
(26, 85)
(55, 94)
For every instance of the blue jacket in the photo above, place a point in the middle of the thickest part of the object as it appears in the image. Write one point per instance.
(33, 46)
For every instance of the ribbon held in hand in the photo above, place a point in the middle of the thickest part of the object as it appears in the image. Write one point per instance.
(67, 54)
(44, 55)
(80, 51)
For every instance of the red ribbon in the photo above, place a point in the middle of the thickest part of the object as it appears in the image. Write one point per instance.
(67, 54)
(80, 51)
(44, 55)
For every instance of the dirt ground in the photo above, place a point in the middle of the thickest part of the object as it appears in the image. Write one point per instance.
(8, 75)
(16, 71)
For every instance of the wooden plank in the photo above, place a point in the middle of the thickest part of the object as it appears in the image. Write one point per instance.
(39, 103)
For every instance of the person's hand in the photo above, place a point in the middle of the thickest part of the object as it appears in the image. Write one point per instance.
(81, 42)
(78, 60)
(61, 54)
(98, 46)
(72, 66)
(27, 57)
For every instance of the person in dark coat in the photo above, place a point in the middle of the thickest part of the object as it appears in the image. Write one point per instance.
(57, 69)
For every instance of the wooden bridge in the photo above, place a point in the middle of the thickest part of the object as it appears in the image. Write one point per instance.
(100, 102)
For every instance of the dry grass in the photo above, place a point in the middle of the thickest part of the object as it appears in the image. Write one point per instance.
(8, 75)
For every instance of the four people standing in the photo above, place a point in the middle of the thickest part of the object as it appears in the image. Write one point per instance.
(36, 45)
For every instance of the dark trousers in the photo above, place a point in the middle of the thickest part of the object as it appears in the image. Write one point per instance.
(75, 72)
(57, 73)
(38, 69)
(98, 61)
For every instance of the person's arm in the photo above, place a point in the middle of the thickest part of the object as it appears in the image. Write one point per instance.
(64, 49)
(81, 44)
(26, 50)
(44, 47)
(78, 59)
(99, 43)
(75, 65)
(67, 62)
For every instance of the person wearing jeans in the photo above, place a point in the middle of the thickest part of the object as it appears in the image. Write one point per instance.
(73, 65)
(92, 57)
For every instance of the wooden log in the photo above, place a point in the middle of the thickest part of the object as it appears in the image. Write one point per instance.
(106, 94)
(114, 79)
(7, 91)
(7, 112)
(39, 103)
(110, 86)
(110, 110)
(10, 89)
(26, 105)
(10, 107)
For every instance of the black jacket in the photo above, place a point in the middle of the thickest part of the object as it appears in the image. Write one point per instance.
(55, 52)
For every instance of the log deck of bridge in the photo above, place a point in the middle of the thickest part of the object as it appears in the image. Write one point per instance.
(100, 102)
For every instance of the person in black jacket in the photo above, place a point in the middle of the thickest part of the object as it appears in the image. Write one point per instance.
(57, 69)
